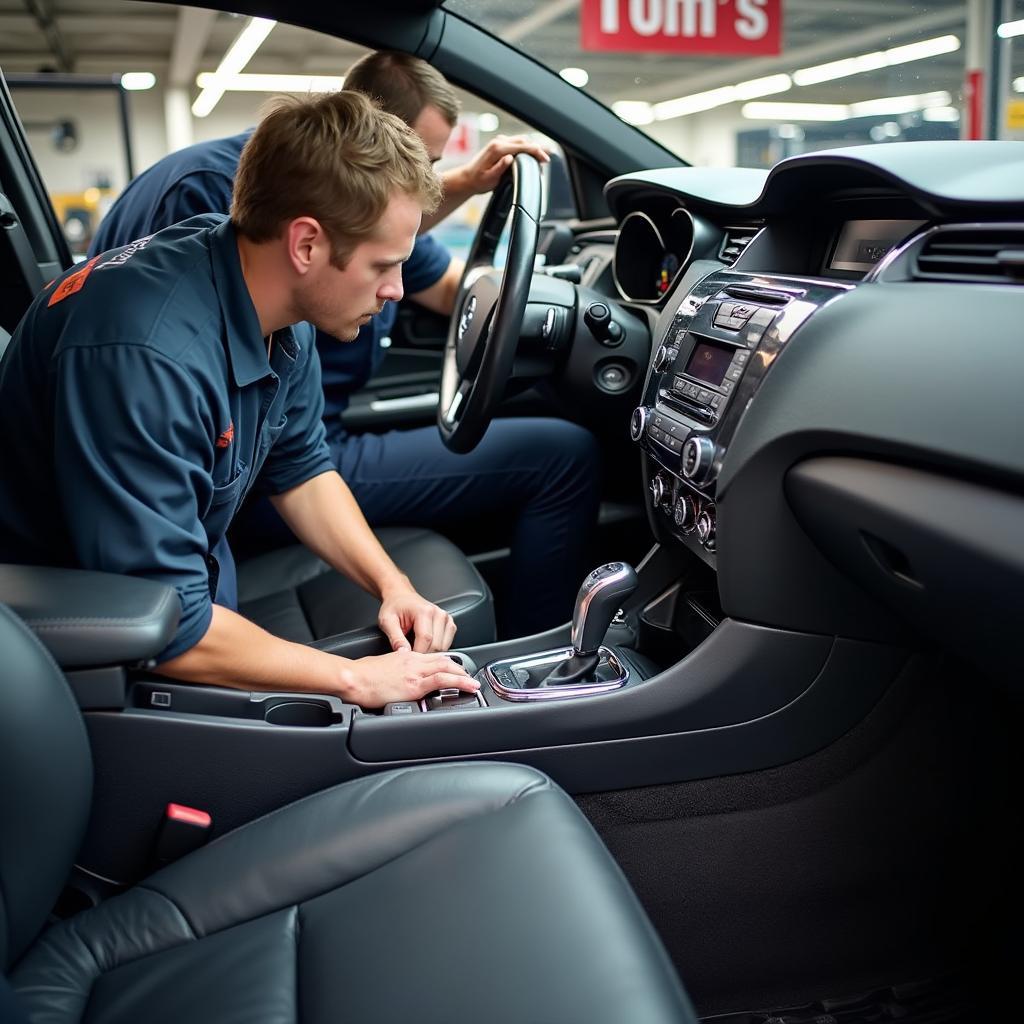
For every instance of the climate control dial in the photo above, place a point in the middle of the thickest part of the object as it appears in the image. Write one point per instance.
(659, 490)
(706, 528)
(684, 513)
(638, 422)
(698, 458)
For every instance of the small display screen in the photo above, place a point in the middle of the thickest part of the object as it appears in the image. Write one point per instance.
(863, 243)
(709, 362)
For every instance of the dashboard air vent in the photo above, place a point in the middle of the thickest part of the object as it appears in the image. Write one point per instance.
(984, 255)
(735, 241)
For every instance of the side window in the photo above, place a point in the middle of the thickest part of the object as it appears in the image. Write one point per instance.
(78, 135)
(479, 123)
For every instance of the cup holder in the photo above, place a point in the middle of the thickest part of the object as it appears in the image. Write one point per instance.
(304, 713)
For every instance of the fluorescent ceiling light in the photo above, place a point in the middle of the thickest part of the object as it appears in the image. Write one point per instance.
(633, 111)
(878, 59)
(698, 101)
(900, 104)
(488, 122)
(941, 114)
(269, 83)
(767, 86)
(1018, 85)
(239, 54)
(575, 76)
(796, 111)
(1008, 29)
(137, 81)
(885, 106)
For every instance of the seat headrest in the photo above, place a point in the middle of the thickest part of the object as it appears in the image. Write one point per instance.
(46, 789)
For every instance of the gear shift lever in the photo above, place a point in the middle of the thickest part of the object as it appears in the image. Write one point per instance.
(596, 603)
(601, 594)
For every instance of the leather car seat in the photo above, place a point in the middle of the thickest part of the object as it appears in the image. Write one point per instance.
(453, 892)
(293, 594)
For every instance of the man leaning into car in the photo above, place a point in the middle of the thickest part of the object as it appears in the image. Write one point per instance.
(539, 475)
(149, 387)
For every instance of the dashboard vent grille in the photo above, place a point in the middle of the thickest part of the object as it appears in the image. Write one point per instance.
(981, 255)
(735, 241)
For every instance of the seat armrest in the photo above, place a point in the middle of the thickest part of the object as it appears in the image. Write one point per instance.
(86, 619)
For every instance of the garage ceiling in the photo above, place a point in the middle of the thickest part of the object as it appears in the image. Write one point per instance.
(175, 43)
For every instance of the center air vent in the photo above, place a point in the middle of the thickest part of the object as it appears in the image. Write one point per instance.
(735, 241)
(979, 254)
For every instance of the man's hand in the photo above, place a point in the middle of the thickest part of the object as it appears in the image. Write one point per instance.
(405, 611)
(402, 675)
(484, 171)
(480, 174)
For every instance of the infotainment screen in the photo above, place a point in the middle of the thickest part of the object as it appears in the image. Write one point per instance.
(862, 243)
(709, 362)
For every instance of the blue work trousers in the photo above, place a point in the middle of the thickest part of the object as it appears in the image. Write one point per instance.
(541, 475)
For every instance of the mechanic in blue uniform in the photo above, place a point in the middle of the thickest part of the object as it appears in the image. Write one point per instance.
(543, 474)
(150, 388)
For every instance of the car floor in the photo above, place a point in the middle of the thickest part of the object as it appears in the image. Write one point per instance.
(884, 859)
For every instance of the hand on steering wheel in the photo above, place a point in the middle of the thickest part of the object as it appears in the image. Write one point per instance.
(484, 330)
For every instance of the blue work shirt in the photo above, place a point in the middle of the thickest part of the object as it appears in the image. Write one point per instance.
(198, 179)
(141, 405)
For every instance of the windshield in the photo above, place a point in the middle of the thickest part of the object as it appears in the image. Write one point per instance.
(748, 82)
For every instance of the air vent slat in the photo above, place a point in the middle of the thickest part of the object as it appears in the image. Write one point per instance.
(735, 241)
(972, 254)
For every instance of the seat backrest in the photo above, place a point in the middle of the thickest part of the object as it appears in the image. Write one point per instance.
(45, 784)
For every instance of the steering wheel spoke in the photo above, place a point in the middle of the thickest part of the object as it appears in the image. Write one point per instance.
(484, 332)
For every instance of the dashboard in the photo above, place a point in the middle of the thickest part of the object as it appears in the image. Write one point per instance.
(835, 366)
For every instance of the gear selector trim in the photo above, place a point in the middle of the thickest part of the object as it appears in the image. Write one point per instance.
(505, 677)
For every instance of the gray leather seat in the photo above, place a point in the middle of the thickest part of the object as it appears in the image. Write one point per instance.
(455, 892)
(293, 594)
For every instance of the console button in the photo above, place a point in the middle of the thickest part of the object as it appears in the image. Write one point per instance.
(741, 357)
(717, 400)
(762, 317)
(729, 322)
(613, 377)
(703, 396)
(734, 373)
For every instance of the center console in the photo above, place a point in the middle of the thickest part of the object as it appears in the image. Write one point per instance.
(714, 354)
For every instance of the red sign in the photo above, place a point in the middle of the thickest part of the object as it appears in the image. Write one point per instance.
(682, 26)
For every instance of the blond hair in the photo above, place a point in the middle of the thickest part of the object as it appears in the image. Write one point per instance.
(335, 157)
(403, 85)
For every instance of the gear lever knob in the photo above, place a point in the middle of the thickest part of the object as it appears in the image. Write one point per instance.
(600, 596)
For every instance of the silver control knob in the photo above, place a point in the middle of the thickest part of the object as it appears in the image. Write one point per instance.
(698, 457)
(684, 513)
(658, 491)
(638, 422)
(706, 529)
(661, 360)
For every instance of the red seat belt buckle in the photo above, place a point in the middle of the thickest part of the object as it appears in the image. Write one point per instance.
(182, 830)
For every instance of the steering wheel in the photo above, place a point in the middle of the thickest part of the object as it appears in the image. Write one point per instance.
(484, 329)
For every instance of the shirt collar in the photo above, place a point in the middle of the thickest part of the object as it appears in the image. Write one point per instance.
(247, 349)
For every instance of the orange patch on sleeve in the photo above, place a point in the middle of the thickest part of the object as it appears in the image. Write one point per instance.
(72, 283)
